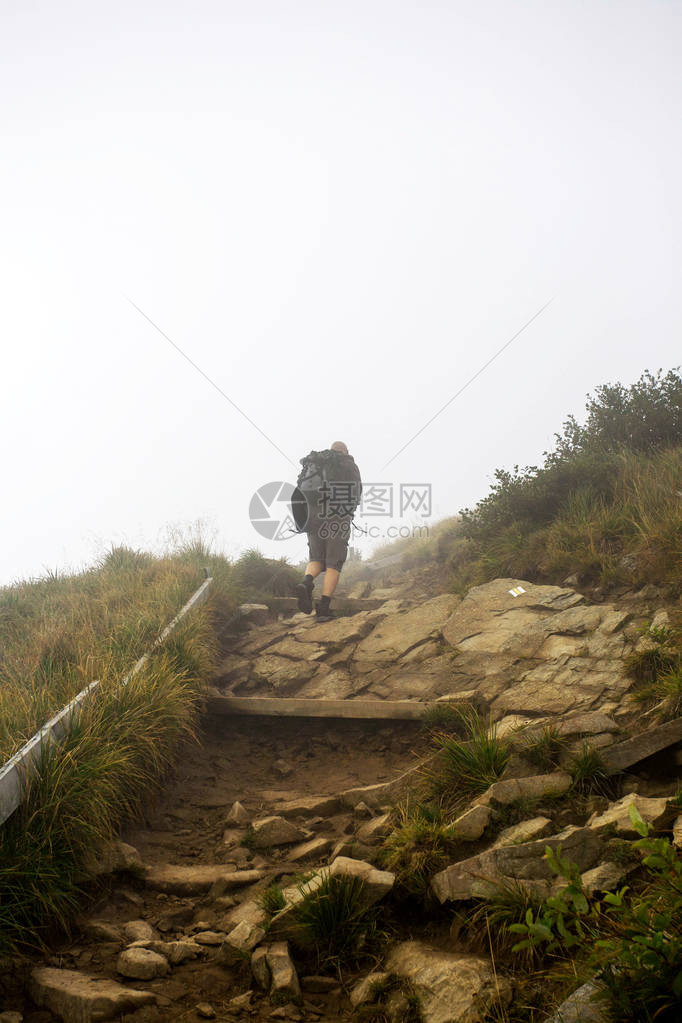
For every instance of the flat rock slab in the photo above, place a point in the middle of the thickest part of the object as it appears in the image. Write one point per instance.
(79, 998)
(476, 876)
(310, 806)
(273, 706)
(191, 880)
(624, 754)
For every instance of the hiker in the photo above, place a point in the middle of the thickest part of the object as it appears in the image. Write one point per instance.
(329, 490)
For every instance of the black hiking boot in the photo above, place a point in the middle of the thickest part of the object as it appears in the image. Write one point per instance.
(305, 598)
(323, 612)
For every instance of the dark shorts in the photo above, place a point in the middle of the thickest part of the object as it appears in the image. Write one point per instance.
(328, 542)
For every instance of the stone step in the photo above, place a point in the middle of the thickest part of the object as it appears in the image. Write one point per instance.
(357, 710)
(343, 606)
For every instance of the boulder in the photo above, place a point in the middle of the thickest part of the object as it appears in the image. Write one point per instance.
(238, 815)
(113, 857)
(541, 651)
(452, 987)
(472, 823)
(254, 614)
(306, 806)
(349, 629)
(617, 817)
(475, 877)
(138, 930)
(315, 849)
(176, 952)
(272, 831)
(260, 968)
(362, 992)
(240, 942)
(142, 964)
(251, 911)
(604, 878)
(526, 831)
(377, 883)
(538, 786)
(372, 831)
(677, 832)
(209, 937)
(284, 985)
(80, 998)
(100, 930)
(282, 674)
(581, 1007)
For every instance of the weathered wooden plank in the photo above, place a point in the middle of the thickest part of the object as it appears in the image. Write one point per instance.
(273, 706)
(631, 751)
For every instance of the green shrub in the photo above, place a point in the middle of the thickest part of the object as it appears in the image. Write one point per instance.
(632, 940)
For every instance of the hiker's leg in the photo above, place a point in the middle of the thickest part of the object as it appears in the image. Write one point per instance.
(331, 578)
(314, 568)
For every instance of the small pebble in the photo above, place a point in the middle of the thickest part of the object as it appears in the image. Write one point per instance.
(205, 1010)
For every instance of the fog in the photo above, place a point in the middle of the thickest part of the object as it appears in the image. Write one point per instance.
(339, 213)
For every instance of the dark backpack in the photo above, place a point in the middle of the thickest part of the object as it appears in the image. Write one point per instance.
(316, 469)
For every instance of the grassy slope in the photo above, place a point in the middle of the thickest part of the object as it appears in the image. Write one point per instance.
(58, 634)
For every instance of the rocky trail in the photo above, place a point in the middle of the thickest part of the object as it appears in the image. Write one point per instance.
(179, 928)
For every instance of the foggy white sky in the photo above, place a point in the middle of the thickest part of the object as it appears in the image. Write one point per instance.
(339, 211)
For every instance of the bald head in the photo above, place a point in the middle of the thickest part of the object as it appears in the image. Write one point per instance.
(338, 445)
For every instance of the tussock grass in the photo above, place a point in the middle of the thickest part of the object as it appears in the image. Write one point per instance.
(272, 899)
(113, 756)
(337, 923)
(421, 844)
(393, 999)
(589, 772)
(544, 749)
(466, 766)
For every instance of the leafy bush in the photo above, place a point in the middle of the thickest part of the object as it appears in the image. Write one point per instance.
(634, 939)
(608, 488)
